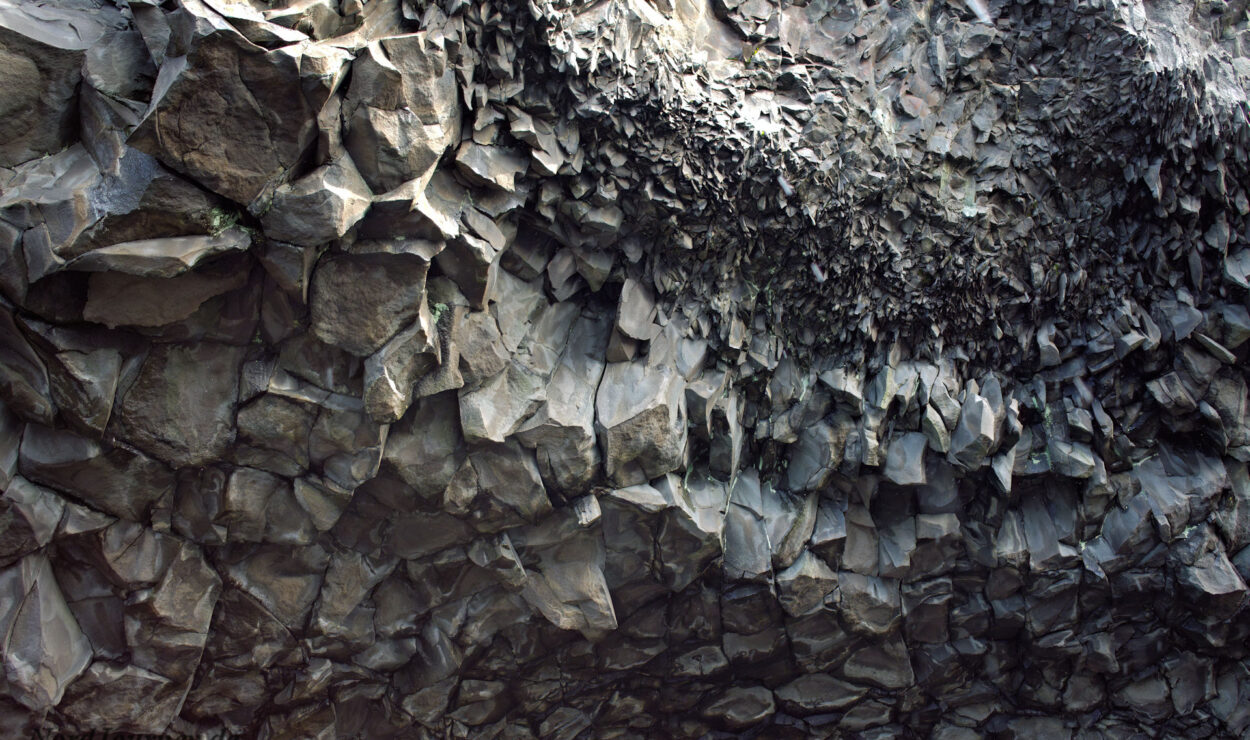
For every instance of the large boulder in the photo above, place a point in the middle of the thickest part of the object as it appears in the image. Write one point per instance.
(230, 114)
(401, 112)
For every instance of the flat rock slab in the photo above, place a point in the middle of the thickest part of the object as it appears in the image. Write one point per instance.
(358, 302)
(180, 408)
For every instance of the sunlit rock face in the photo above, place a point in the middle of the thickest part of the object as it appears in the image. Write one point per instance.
(388, 368)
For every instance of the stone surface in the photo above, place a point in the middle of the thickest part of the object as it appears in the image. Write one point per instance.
(359, 302)
(400, 113)
(179, 407)
(321, 206)
(231, 115)
(618, 369)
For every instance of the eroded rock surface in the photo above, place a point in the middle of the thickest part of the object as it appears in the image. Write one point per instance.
(390, 368)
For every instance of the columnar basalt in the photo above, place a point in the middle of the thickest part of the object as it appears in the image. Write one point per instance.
(630, 369)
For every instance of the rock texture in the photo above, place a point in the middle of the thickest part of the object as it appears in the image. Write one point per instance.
(402, 369)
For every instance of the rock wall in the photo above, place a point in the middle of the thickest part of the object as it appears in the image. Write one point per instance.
(386, 368)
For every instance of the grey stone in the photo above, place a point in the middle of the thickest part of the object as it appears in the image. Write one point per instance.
(817, 693)
(44, 47)
(805, 584)
(868, 603)
(359, 302)
(180, 407)
(392, 373)
(641, 420)
(118, 299)
(401, 111)
(904, 462)
(44, 648)
(562, 430)
(321, 206)
(741, 707)
(116, 480)
(497, 486)
(229, 114)
(886, 665)
(489, 166)
(976, 434)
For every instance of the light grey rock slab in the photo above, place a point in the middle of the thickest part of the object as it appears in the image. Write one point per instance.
(488, 166)
(869, 604)
(975, 435)
(568, 585)
(44, 648)
(562, 430)
(904, 461)
(641, 421)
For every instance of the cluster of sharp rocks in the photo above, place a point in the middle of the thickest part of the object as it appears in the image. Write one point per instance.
(627, 369)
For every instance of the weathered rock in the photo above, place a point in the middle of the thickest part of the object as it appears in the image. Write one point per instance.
(904, 463)
(568, 585)
(976, 434)
(118, 299)
(44, 49)
(360, 301)
(868, 603)
(231, 115)
(497, 486)
(641, 418)
(741, 707)
(562, 430)
(44, 649)
(392, 373)
(117, 480)
(178, 414)
(321, 206)
(401, 111)
(805, 584)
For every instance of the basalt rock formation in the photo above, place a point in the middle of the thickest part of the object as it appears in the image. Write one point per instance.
(626, 369)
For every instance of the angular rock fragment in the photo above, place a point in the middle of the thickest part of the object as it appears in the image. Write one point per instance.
(44, 649)
(360, 301)
(976, 434)
(904, 463)
(229, 114)
(641, 418)
(401, 111)
(319, 207)
(497, 486)
(44, 48)
(741, 707)
(392, 373)
(562, 430)
(181, 404)
(568, 585)
(116, 480)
